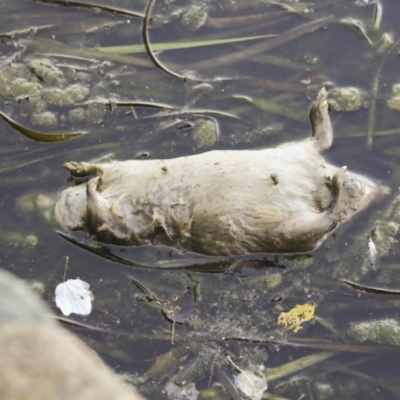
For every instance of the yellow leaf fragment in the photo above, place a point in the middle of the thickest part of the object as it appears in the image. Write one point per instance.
(293, 319)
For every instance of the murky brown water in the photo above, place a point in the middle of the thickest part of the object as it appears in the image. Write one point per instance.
(107, 94)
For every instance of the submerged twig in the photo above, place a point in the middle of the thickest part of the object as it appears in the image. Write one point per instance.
(378, 15)
(173, 332)
(93, 6)
(200, 112)
(26, 31)
(197, 265)
(65, 268)
(317, 344)
(233, 22)
(100, 251)
(199, 337)
(371, 289)
(146, 41)
(264, 46)
(373, 97)
(355, 23)
(129, 103)
(228, 386)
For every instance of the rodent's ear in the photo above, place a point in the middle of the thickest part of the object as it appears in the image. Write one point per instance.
(320, 122)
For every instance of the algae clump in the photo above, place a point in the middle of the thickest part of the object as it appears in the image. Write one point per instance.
(346, 99)
(383, 331)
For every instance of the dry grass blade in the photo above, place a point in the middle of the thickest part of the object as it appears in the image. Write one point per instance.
(297, 365)
(335, 366)
(40, 136)
(185, 44)
(327, 325)
(43, 45)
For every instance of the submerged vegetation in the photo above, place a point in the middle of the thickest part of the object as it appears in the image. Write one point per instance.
(172, 78)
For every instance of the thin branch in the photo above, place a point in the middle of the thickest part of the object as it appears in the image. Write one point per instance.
(146, 41)
(93, 6)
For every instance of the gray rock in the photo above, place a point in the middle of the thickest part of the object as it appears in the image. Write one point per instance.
(40, 360)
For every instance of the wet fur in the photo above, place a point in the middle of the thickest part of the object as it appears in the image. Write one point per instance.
(284, 199)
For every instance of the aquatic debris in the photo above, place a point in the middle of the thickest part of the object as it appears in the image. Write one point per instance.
(40, 136)
(246, 268)
(65, 97)
(31, 241)
(195, 17)
(274, 280)
(269, 44)
(383, 235)
(11, 74)
(373, 98)
(23, 32)
(324, 390)
(76, 115)
(297, 365)
(294, 319)
(214, 203)
(46, 118)
(378, 11)
(251, 383)
(74, 296)
(378, 14)
(40, 360)
(47, 72)
(359, 26)
(394, 102)
(206, 133)
(149, 49)
(383, 331)
(386, 42)
(22, 89)
(371, 289)
(346, 98)
(373, 256)
(185, 44)
(181, 308)
(185, 392)
(37, 287)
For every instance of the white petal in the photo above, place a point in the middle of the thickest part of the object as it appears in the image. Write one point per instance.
(73, 296)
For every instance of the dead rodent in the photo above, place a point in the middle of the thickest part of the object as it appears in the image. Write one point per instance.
(283, 199)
